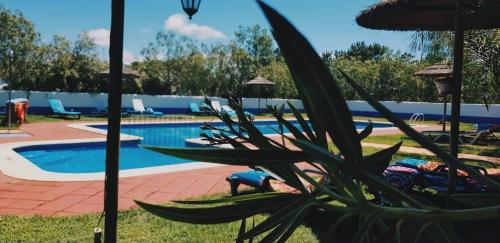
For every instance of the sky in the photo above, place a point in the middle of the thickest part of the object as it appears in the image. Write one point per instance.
(328, 24)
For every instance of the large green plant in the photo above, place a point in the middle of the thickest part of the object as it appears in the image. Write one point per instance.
(353, 188)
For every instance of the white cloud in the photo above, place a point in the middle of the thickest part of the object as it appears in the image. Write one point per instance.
(99, 36)
(129, 57)
(145, 30)
(179, 23)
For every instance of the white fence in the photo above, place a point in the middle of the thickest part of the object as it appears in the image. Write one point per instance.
(86, 102)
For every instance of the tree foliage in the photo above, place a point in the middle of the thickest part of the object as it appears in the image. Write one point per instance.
(175, 64)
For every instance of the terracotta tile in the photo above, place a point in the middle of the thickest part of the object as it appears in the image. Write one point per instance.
(84, 208)
(36, 212)
(62, 203)
(7, 201)
(99, 200)
(11, 211)
(30, 188)
(136, 194)
(30, 195)
(126, 203)
(161, 197)
(86, 191)
(26, 204)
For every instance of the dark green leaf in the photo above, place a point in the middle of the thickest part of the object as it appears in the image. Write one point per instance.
(295, 222)
(366, 131)
(421, 230)
(376, 163)
(219, 214)
(237, 199)
(290, 223)
(325, 104)
(275, 219)
(324, 156)
(263, 157)
(243, 227)
(478, 200)
(328, 235)
(365, 226)
(406, 231)
(300, 119)
(293, 130)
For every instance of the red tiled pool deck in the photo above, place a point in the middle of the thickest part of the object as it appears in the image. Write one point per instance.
(25, 197)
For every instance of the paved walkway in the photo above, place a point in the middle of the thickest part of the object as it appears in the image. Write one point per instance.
(24, 197)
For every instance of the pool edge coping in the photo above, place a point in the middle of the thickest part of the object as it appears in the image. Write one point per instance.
(17, 166)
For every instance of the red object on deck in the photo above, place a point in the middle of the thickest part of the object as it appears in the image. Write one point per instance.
(20, 113)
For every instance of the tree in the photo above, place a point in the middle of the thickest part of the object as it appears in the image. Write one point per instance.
(360, 50)
(86, 65)
(481, 80)
(17, 35)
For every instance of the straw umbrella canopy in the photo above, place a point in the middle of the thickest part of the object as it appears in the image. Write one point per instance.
(430, 15)
(440, 70)
(437, 15)
(441, 73)
(259, 81)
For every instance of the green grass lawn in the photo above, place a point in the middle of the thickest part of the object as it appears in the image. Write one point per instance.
(134, 225)
(490, 149)
(137, 225)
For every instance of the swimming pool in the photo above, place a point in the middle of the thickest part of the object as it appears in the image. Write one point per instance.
(90, 157)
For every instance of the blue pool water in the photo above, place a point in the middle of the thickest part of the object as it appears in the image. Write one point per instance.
(90, 157)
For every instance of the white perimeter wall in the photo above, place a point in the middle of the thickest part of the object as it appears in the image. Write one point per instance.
(86, 100)
(173, 102)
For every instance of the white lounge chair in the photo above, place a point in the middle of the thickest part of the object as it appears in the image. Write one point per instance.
(138, 108)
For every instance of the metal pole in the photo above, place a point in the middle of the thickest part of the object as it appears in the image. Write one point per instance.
(456, 89)
(444, 112)
(9, 107)
(114, 119)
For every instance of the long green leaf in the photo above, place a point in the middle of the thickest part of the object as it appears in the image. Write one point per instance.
(289, 223)
(237, 199)
(219, 214)
(327, 237)
(275, 219)
(390, 235)
(376, 163)
(327, 107)
(421, 230)
(293, 130)
(366, 131)
(325, 156)
(243, 227)
(477, 200)
(295, 222)
(246, 157)
(419, 138)
(366, 226)
(300, 119)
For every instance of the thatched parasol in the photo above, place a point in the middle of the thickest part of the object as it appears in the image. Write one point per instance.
(431, 15)
(437, 15)
(440, 70)
(441, 73)
(258, 82)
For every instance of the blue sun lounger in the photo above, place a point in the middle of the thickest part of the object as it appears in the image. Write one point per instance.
(253, 178)
(57, 108)
(195, 109)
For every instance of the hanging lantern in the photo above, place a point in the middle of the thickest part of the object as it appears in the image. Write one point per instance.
(443, 86)
(190, 7)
